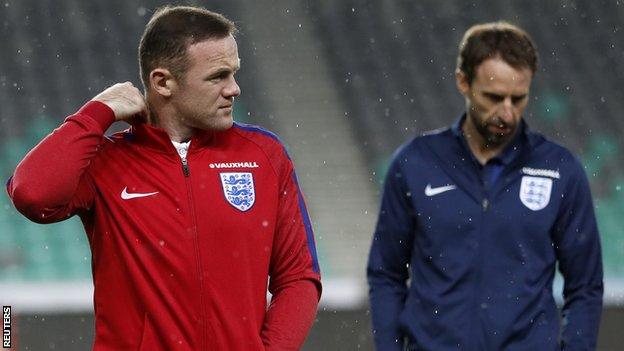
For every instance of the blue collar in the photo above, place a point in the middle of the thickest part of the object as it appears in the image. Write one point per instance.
(511, 151)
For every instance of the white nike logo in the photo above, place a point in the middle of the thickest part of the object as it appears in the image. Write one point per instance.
(429, 191)
(126, 196)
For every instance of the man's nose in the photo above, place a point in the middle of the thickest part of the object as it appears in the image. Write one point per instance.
(232, 89)
(507, 109)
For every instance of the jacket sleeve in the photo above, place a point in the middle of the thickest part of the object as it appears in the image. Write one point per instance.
(294, 272)
(577, 245)
(389, 257)
(51, 183)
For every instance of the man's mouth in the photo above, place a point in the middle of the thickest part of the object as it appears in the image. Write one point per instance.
(499, 128)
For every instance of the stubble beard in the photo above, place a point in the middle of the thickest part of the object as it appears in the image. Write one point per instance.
(492, 139)
(218, 122)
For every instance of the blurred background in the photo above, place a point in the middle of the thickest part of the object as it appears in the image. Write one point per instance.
(343, 83)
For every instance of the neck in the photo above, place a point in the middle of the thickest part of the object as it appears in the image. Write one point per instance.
(164, 117)
(480, 147)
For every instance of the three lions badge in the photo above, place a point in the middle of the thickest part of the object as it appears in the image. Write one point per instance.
(238, 188)
(535, 192)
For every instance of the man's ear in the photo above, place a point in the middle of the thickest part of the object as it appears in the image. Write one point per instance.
(162, 81)
(462, 82)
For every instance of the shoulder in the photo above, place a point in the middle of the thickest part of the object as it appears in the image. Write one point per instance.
(257, 134)
(551, 155)
(420, 146)
(266, 142)
(551, 151)
(260, 137)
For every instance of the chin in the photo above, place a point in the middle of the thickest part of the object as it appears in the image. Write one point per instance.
(220, 124)
(227, 125)
(498, 139)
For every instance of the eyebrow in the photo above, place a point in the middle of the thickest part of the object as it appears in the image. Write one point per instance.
(496, 95)
(224, 69)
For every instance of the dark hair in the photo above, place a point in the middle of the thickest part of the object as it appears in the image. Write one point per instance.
(496, 39)
(171, 30)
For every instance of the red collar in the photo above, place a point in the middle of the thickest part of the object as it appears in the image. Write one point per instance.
(157, 139)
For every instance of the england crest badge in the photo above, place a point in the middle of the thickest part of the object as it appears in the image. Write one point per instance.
(238, 188)
(535, 192)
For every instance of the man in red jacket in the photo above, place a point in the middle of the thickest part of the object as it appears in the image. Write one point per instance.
(190, 216)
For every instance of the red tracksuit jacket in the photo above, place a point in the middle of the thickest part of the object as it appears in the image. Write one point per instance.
(181, 251)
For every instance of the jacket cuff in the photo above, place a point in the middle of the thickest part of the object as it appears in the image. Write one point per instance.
(99, 112)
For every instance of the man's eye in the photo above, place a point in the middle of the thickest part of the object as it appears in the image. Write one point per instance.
(494, 97)
(517, 99)
(218, 77)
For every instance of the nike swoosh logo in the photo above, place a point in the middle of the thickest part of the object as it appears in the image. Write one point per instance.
(429, 191)
(127, 196)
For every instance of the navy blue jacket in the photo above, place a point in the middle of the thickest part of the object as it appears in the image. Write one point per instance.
(463, 255)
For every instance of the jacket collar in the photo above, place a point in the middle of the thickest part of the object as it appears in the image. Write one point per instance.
(514, 149)
(157, 139)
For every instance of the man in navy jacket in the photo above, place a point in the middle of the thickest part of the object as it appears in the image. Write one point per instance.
(475, 217)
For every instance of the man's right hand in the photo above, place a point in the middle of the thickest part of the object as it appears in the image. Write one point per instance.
(125, 100)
